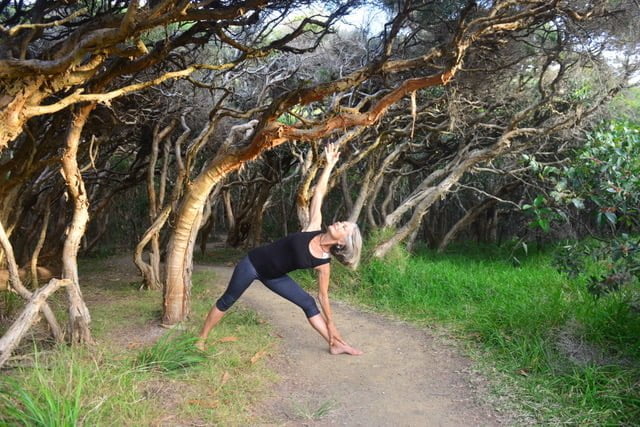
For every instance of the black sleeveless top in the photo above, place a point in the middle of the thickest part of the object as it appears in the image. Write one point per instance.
(282, 256)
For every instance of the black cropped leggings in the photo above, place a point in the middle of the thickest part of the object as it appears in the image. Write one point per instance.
(244, 274)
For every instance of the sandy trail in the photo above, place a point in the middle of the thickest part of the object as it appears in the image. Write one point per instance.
(405, 378)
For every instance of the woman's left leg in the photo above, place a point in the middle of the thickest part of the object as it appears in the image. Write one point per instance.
(243, 275)
(287, 288)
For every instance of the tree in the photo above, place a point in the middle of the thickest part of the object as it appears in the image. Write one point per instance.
(473, 27)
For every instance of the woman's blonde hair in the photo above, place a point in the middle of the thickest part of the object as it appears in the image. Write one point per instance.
(349, 253)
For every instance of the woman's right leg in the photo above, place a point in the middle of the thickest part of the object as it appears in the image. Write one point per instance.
(243, 275)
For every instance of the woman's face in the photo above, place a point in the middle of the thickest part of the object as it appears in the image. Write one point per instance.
(340, 231)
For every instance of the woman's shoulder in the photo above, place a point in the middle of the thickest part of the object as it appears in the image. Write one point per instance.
(311, 230)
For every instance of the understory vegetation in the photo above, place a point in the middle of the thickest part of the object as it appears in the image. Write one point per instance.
(562, 354)
(139, 373)
(163, 129)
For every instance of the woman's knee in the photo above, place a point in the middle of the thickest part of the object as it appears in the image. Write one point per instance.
(225, 302)
(309, 306)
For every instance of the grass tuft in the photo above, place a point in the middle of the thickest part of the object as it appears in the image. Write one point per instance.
(310, 412)
(171, 353)
(43, 402)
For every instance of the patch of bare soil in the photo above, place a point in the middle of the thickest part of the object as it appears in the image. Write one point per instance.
(121, 270)
(407, 376)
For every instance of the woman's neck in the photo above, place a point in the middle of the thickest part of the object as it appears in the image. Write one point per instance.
(325, 241)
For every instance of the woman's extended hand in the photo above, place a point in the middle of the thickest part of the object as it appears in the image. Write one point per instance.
(331, 154)
(334, 335)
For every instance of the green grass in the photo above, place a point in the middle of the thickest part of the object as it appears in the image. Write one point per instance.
(172, 352)
(127, 377)
(54, 399)
(522, 322)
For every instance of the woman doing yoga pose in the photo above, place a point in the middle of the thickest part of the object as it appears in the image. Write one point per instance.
(310, 248)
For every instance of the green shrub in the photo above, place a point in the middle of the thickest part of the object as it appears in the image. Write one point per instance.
(171, 353)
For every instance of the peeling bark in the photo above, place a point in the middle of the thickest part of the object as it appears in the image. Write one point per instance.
(177, 288)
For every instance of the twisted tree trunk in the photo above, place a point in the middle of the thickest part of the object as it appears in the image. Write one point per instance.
(177, 290)
(473, 214)
(79, 318)
(452, 173)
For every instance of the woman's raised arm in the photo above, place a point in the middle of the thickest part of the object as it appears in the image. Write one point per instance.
(331, 155)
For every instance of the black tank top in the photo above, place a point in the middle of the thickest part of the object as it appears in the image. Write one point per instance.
(282, 256)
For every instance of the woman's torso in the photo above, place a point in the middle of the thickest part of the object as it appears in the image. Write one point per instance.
(285, 255)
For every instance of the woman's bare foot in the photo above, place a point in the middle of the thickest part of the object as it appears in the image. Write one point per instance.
(340, 347)
(200, 345)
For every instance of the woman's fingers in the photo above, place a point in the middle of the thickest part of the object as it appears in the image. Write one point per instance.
(331, 152)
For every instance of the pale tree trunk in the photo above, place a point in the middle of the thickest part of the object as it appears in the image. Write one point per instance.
(16, 284)
(363, 194)
(492, 235)
(177, 290)
(424, 189)
(452, 173)
(147, 270)
(388, 198)
(228, 210)
(411, 240)
(39, 244)
(372, 182)
(346, 192)
(151, 272)
(79, 318)
(468, 219)
(158, 215)
(308, 171)
(473, 214)
(27, 318)
(371, 204)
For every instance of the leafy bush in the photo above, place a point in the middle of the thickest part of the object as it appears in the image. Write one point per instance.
(607, 173)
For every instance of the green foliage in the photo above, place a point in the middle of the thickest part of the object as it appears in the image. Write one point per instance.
(522, 319)
(47, 401)
(542, 215)
(171, 352)
(607, 172)
(609, 265)
(626, 105)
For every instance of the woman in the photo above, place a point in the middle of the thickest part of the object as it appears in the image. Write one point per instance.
(310, 248)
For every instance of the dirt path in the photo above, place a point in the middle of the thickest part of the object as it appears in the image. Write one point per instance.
(405, 378)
